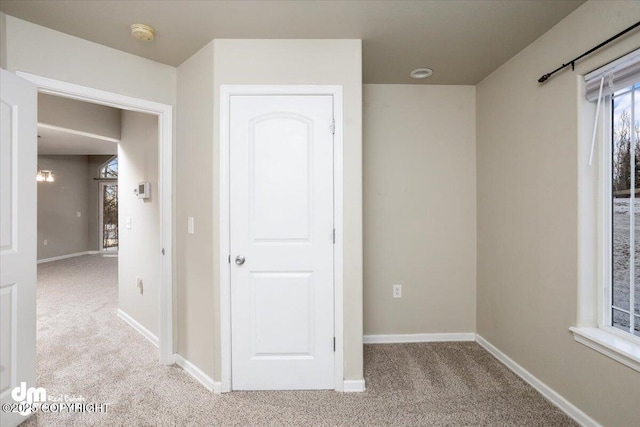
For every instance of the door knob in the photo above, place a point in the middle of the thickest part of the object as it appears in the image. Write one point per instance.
(239, 260)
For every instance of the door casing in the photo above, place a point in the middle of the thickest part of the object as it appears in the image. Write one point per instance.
(164, 113)
(226, 91)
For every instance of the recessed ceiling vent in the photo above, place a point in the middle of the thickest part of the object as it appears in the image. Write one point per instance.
(142, 32)
(421, 73)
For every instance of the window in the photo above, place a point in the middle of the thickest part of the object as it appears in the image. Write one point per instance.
(108, 199)
(623, 288)
(609, 213)
(109, 169)
(109, 216)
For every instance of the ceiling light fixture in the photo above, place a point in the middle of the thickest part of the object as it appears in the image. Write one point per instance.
(421, 73)
(44, 175)
(143, 32)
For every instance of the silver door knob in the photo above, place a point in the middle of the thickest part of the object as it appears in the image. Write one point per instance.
(239, 260)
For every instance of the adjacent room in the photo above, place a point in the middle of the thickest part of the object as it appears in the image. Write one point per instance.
(267, 213)
(86, 290)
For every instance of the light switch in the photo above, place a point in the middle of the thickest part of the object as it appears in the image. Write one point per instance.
(190, 228)
(128, 223)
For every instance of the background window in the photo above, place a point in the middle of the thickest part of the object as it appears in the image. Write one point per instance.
(625, 224)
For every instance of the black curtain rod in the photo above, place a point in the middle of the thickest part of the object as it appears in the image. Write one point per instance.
(573, 61)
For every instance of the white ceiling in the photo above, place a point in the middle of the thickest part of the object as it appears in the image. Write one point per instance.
(463, 41)
(60, 142)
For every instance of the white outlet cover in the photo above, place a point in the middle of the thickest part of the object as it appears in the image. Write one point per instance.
(397, 291)
(78, 214)
(46, 242)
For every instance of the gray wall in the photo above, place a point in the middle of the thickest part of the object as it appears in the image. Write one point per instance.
(419, 209)
(79, 116)
(74, 190)
(194, 252)
(139, 246)
(58, 205)
(527, 157)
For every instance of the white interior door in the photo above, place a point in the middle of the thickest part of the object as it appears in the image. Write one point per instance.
(18, 153)
(281, 241)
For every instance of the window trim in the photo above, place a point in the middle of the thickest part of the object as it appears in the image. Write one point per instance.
(594, 206)
(605, 181)
(609, 343)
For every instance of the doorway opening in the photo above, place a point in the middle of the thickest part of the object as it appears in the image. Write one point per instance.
(157, 119)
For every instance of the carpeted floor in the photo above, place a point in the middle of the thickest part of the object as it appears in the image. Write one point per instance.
(85, 350)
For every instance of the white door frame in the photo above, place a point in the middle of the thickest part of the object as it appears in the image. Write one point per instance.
(165, 151)
(226, 91)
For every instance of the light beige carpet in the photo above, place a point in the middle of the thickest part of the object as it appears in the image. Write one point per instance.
(85, 349)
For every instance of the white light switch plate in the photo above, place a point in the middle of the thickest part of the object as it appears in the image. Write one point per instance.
(190, 227)
(128, 223)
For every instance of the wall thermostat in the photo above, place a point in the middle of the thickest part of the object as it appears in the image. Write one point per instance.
(143, 191)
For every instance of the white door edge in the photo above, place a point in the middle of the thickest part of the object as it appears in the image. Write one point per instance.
(226, 91)
(165, 151)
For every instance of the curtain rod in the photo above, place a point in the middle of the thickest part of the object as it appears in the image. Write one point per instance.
(545, 77)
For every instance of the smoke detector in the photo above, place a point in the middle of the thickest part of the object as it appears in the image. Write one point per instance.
(142, 32)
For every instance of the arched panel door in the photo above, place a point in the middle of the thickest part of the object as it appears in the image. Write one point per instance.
(281, 235)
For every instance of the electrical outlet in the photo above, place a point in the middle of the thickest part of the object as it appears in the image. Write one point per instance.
(397, 291)
(46, 242)
(78, 214)
(139, 283)
(128, 223)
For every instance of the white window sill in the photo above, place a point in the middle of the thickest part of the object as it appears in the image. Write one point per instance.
(625, 351)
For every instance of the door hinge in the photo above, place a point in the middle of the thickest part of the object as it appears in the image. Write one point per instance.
(229, 258)
(332, 126)
(334, 236)
(334, 343)
(162, 251)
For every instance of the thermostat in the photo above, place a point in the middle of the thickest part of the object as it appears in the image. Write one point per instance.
(143, 191)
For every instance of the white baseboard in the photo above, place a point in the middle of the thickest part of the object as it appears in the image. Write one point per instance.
(58, 258)
(551, 395)
(198, 375)
(138, 327)
(409, 338)
(353, 386)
